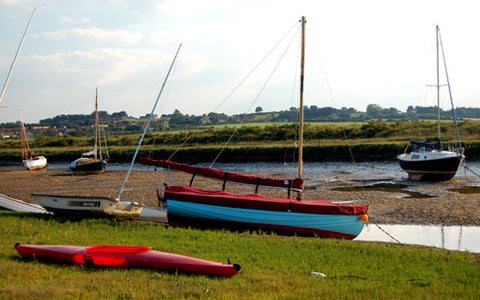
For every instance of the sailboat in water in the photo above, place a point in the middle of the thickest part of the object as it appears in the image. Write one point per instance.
(88, 164)
(429, 161)
(191, 207)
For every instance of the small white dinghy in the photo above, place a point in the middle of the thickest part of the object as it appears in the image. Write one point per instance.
(9, 203)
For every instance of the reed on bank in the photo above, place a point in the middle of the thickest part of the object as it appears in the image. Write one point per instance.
(273, 267)
(375, 140)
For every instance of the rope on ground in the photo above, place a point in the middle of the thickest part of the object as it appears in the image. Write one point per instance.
(466, 167)
(391, 236)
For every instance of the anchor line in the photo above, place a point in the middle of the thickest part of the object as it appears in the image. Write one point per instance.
(391, 236)
(466, 167)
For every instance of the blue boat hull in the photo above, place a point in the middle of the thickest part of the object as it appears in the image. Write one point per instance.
(439, 169)
(92, 167)
(182, 213)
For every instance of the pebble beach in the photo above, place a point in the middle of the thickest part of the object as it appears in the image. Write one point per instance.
(453, 202)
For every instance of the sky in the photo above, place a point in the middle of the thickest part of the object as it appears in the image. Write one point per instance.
(357, 53)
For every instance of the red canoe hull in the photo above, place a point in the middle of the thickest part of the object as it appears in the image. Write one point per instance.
(126, 257)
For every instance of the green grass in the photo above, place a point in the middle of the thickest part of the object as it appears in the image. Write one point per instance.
(273, 267)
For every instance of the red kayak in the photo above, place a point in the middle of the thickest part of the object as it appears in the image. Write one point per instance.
(127, 257)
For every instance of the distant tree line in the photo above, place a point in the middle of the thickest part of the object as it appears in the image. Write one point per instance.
(121, 123)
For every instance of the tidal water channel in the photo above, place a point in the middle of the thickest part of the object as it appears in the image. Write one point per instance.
(459, 238)
(381, 176)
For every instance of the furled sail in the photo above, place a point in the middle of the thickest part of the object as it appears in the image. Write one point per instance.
(295, 184)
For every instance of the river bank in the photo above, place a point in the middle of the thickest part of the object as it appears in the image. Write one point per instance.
(314, 151)
(395, 201)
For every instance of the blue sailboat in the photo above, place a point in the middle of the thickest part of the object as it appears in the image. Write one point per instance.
(191, 207)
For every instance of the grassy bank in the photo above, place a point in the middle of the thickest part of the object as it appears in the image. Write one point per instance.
(272, 267)
(330, 150)
(372, 141)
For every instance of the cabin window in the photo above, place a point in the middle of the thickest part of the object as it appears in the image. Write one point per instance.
(415, 156)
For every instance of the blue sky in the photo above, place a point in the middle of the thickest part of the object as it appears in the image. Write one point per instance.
(358, 52)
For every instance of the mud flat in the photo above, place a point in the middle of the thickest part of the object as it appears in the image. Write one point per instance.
(453, 202)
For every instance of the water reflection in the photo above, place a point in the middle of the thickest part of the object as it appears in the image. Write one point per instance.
(462, 238)
(326, 171)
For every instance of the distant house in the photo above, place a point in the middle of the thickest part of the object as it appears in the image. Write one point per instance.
(69, 130)
(40, 129)
(121, 124)
(165, 122)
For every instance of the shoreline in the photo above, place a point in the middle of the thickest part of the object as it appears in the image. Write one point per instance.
(436, 203)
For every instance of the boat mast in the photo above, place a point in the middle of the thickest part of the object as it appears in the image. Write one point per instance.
(25, 146)
(438, 83)
(16, 56)
(96, 124)
(148, 124)
(300, 132)
(24, 139)
(449, 90)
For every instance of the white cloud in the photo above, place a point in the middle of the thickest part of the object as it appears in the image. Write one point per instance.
(95, 33)
(369, 52)
(85, 20)
(14, 2)
(66, 19)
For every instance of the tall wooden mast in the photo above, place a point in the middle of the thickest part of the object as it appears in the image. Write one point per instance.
(437, 31)
(300, 130)
(96, 124)
(300, 133)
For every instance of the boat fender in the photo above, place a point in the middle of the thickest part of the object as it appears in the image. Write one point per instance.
(364, 218)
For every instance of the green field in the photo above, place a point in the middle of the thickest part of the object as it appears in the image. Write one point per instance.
(273, 267)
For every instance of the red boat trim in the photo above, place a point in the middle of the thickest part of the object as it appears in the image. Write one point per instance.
(292, 184)
(259, 202)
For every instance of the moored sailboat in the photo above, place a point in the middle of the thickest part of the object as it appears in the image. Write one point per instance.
(429, 161)
(30, 162)
(87, 164)
(191, 207)
(94, 205)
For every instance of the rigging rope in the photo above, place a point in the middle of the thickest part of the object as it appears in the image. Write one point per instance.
(237, 87)
(467, 168)
(254, 100)
(450, 92)
(387, 233)
(335, 105)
